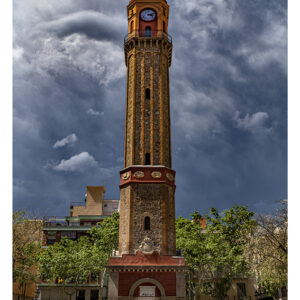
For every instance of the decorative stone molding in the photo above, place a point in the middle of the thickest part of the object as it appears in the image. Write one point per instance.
(147, 269)
(146, 246)
(144, 280)
(139, 174)
(152, 174)
(126, 175)
(170, 176)
(156, 174)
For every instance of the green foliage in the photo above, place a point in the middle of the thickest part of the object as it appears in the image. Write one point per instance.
(268, 248)
(74, 261)
(214, 254)
(106, 234)
(26, 247)
(71, 261)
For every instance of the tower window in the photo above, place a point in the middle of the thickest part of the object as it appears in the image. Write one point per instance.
(131, 27)
(147, 159)
(148, 31)
(147, 94)
(147, 223)
(164, 26)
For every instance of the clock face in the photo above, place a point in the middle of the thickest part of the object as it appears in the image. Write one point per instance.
(148, 15)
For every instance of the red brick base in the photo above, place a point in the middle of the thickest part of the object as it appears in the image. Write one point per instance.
(166, 279)
(156, 270)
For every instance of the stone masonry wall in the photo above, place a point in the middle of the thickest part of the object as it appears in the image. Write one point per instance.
(139, 201)
(124, 231)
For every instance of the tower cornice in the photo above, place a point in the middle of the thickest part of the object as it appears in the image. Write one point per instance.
(161, 42)
(147, 174)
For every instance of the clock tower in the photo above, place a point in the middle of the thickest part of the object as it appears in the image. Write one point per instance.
(147, 265)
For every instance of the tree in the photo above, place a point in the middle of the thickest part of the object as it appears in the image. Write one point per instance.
(26, 246)
(106, 240)
(268, 249)
(215, 254)
(74, 261)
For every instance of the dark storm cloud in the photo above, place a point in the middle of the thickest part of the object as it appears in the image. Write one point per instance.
(228, 102)
(94, 25)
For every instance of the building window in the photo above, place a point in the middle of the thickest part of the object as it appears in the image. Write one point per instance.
(147, 94)
(80, 295)
(241, 291)
(147, 159)
(164, 11)
(94, 294)
(131, 27)
(147, 223)
(164, 26)
(148, 31)
(94, 277)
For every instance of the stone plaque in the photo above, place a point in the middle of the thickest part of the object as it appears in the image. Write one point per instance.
(147, 291)
(138, 174)
(170, 176)
(126, 175)
(156, 174)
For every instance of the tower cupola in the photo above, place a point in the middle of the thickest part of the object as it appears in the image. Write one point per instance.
(147, 18)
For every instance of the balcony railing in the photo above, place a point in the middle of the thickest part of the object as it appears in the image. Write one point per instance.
(148, 34)
(54, 221)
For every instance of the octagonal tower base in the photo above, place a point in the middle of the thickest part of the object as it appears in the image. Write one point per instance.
(146, 276)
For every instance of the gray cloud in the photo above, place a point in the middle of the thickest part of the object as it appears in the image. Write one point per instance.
(92, 112)
(254, 123)
(70, 139)
(228, 101)
(94, 25)
(79, 162)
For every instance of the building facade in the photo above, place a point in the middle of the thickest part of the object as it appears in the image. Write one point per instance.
(147, 265)
(83, 216)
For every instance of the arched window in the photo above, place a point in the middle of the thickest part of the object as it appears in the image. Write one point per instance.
(147, 94)
(131, 27)
(147, 159)
(148, 31)
(147, 223)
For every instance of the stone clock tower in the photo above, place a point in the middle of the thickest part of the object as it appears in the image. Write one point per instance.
(147, 265)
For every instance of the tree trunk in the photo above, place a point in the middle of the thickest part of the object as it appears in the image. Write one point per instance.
(24, 292)
(197, 294)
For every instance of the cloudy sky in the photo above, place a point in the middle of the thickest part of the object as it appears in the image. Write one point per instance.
(228, 102)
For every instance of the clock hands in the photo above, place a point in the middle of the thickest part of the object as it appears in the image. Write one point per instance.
(148, 15)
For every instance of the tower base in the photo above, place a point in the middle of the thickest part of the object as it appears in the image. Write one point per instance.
(146, 276)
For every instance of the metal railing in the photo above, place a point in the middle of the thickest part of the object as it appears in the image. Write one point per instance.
(147, 34)
(54, 221)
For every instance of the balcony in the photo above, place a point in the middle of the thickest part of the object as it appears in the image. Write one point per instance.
(148, 34)
(54, 221)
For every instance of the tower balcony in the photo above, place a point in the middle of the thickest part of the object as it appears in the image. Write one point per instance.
(148, 34)
(155, 39)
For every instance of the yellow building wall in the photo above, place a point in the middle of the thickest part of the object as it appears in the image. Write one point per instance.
(93, 206)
